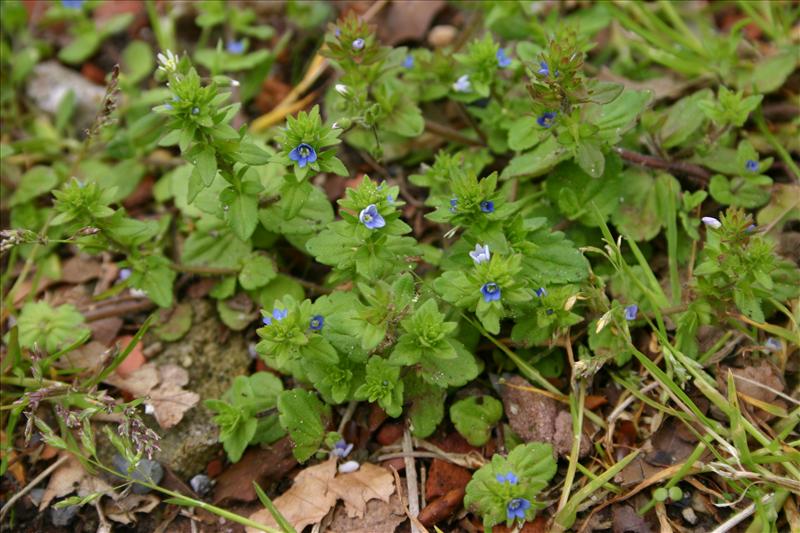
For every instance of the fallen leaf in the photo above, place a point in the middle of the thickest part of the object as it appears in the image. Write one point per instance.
(306, 502)
(357, 488)
(88, 358)
(443, 477)
(164, 388)
(539, 418)
(105, 330)
(123, 509)
(80, 269)
(625, 519)
(379, 516)
(257, 464)
(442, 508)
(409, 20)
(64, 480)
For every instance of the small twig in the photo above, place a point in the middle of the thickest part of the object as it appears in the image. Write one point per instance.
(733, 521)
(699, 175)
(348, 414)
(472, 124)
(35, 481)
(122, 309)
(412, 519)
(411, 480)
(451, 134)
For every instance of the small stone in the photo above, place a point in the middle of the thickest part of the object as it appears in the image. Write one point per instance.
(146, 470)
(62, 517)
(442, 35)
(201, 484)
(50, 82)
(36, 496)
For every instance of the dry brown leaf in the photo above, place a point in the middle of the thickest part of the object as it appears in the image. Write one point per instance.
(379, 516)
(80, 269)
(164, 387)
(370, 482)
(64, 480)
(307, 502)
(89, 357)
(123, 510)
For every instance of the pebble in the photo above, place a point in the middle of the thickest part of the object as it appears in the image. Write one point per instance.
(146, 470)
(62, 517)
(442, 35)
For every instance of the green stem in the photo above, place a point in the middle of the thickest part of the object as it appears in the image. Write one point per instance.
(576, 407)
(776, 145)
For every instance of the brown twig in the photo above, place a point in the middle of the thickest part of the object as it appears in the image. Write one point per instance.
(118, 309)
(698, 174)
(451, 134)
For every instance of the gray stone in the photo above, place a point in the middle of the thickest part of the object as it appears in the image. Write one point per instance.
(62, 517)
(50, 82)
(212, 365)
(146, 470)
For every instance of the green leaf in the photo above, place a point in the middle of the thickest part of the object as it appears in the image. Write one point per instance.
(748, 192)
(233, 316)
(533, 465)
(590, 158)
(474, 418)
(156, 279)
(537, 162)
(38, 180)
(305, 418)
(427, 406)
(178, 324)
(49, 328)
(137, 61)
(81, 48)
(525, 133)
(217, 248)
(242, 214)
(257, 271)
(383, 385)
(770, 74)
(615, 118)
(206, 164)
(684, 118)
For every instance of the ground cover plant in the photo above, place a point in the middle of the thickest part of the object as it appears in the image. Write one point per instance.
(400, 266)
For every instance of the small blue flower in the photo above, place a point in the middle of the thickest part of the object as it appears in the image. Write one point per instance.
(544, 70)
(390, 198)
(453, 204)
(510, 478)
(711, 222)
(408, 62)
(462, 84)
(480, 254)
(503, 60)
(337, 32)
(515, 509)
(124, 274)
(279, 314)
(235, 47)
(547, 119)
(487, 206)
(72, 4)
(358, 44)
(371, 218)
(169, 107)
(491, 292)
(342, 449)
(549, 312)
(751, 166)
(316, 323)
(195, 111)
(267, 320)
(631, 311)
(541, 292)
(303, 154)
(773, 344)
